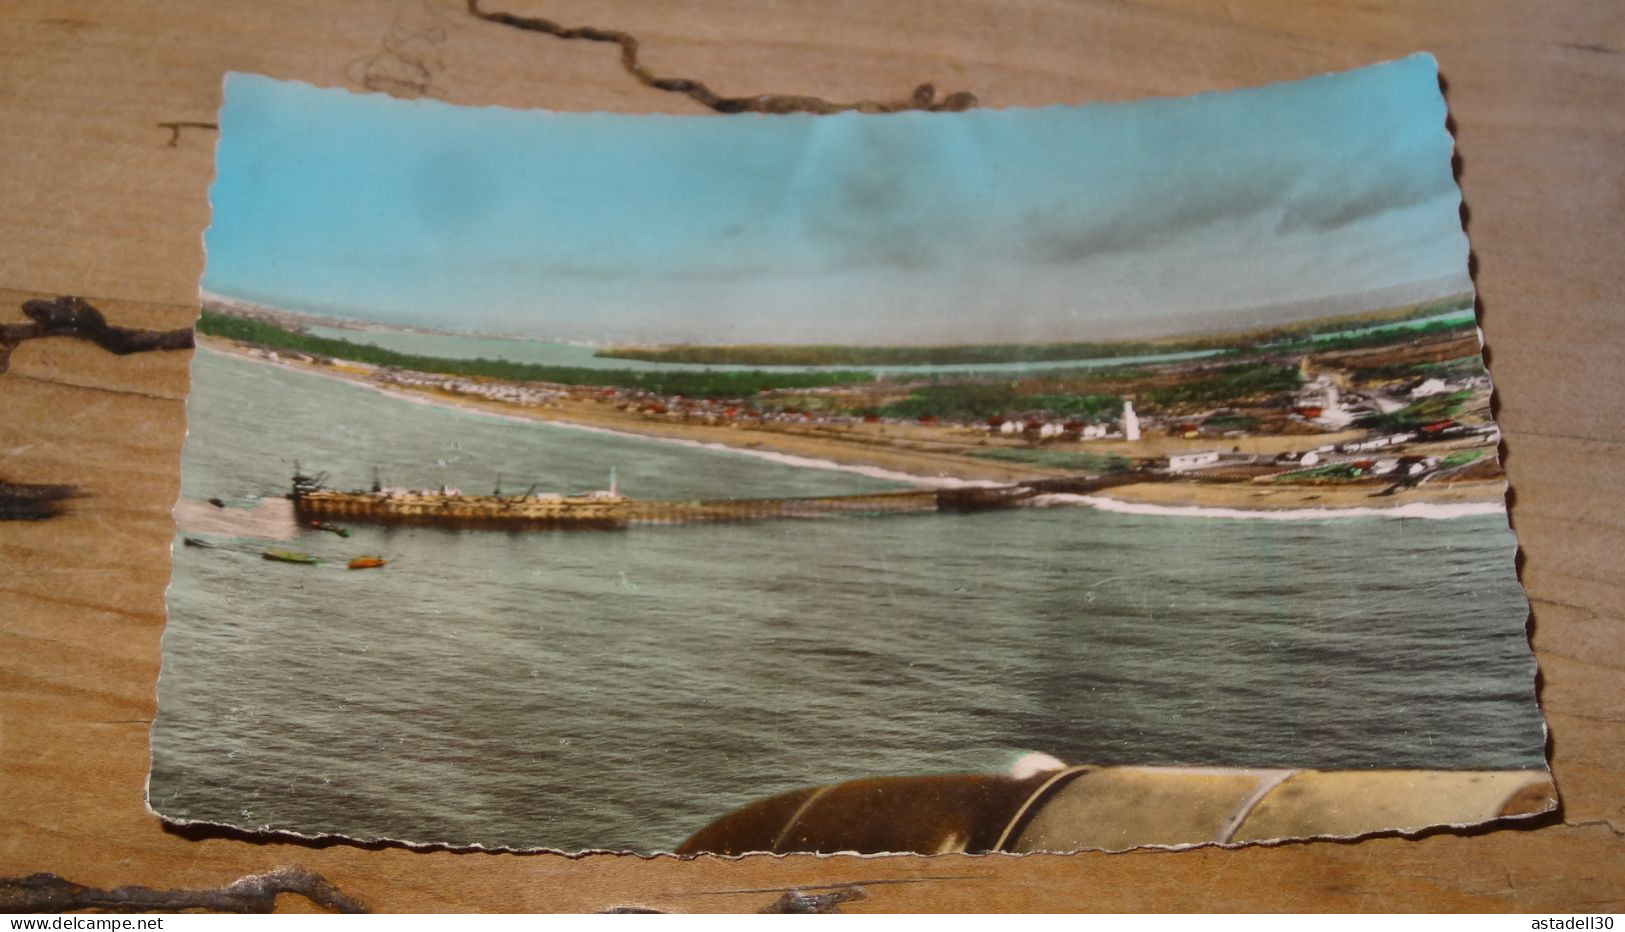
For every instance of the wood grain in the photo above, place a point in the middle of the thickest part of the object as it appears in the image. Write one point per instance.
(97, 203)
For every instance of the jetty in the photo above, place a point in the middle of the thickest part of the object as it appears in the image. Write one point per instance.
(585, 512)
(609, 510)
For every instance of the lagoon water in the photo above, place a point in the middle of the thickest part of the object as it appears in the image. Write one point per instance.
(583, 356)
(620, 689)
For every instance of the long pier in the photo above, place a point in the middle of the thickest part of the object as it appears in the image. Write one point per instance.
(605, 511)
(586, 512)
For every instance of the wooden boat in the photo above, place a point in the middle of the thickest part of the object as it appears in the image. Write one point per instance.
(329, 527)
(289, 556)
(367, 563)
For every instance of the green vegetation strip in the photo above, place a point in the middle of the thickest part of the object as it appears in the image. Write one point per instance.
(707, 384)
(1386, 335)
(777, 355)
(1412, 416)
(1462, 367)
(1384, 322)
(973, 401)
(1329, 471)
(1232, 383)
(1231, 422)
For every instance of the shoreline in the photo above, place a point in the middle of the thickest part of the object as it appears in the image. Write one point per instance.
(913, 466)
(1488, 495)
(795, 448)
(1424, 510)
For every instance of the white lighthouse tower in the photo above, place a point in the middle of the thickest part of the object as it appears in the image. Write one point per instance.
(1131, 421)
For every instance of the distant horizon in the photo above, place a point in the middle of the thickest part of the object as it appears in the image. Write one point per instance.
(1105, 222)
(1215, 324)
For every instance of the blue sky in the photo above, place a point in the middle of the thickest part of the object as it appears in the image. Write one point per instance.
(1065, 223)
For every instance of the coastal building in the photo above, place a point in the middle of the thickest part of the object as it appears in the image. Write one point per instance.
(1431, 387)
(1376, 443)
(1185, 462)
(1306, 459)
(1323, 397)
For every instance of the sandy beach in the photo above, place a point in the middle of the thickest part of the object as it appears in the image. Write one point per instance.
(1261, 496)
(918, 452)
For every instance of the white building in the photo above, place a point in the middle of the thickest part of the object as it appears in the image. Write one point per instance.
(1377, 443)
(1429, 388)
(1184, 462)
(1323, 393)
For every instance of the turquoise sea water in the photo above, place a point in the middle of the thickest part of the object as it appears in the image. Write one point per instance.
(621, 689)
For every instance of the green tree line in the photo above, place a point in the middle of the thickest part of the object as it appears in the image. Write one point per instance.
(702, 384)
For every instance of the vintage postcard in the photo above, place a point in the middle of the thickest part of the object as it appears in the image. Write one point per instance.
(1009, 480)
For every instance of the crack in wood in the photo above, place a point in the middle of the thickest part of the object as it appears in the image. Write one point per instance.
(1593, 823)
(792, 901)
(175, 127)
(105, 389)
(923, 98)
(1597, 47)
(29, 501)
(872, 882)
(408, 58)
(69, 316)
(797, 902)
(255, 893)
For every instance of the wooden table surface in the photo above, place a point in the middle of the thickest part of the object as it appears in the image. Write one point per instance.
(97, 202)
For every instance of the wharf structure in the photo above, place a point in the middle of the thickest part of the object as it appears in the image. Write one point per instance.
(609, 510)
(582, 512)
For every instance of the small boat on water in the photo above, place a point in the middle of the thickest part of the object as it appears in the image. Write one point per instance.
(329, 527)
(199, 542)
(368, 563)
(289, 556)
